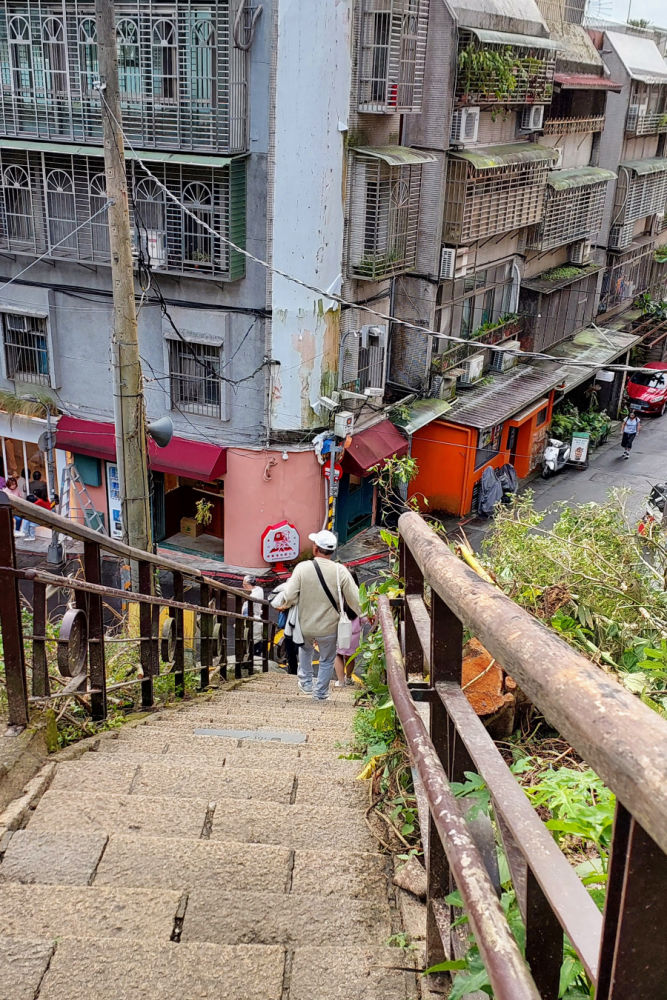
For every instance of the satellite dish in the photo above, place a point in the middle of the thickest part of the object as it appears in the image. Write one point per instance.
(161, 431)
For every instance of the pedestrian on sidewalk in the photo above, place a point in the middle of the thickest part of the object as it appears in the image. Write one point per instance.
(312, 587)
(256, 593)
(12, 489)
(631, 428)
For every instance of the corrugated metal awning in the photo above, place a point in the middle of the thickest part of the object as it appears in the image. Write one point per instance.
(489, 157)
(420, 413)
(641, 57)
(157, 156)
(586, 81)
(654, 165)
(507, 38)
(396, 156)
(506, 395)
(372, 447)
(576, 177)
(597, 347)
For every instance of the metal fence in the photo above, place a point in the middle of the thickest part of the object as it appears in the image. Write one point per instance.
(624, 950)
(219, 634)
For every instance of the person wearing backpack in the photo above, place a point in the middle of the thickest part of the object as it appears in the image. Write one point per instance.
(321, 589)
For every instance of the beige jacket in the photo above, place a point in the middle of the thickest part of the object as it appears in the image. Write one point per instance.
(317, 615)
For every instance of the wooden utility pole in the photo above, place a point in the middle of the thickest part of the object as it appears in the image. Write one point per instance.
(129, 406)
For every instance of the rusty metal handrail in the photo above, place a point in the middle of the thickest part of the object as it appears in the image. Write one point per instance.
(82, 533)
(610, 728)
(508, 972)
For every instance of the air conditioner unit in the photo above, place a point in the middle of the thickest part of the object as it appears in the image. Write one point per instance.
(558, 162)
(465, 126)
(656, 224)
(580, 252)
(532, 118)
(473, 369)
(453, 263)
(504, 356)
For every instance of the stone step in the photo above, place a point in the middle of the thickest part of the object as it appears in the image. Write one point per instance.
(103, 969)
(253, 917)
(172, 777)
(145, 737)
(353, 974)
(103, 812)
(259, 755)
(52, 911)
(23, 963)
(303, 724)
(322, 826)
(52, 858)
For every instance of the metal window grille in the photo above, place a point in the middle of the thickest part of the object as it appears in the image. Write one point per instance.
(194, 374)
(183, 81)
(392, 55)
(26, 348)
(569, 215)
(531, 68)
(638, 196)
(384, 217)
(482, 203)
(647, 114)
(627, 275)
(45, 196)
(363, 359)
(571, 126)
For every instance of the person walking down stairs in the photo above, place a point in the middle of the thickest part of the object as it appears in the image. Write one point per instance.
(320, 588)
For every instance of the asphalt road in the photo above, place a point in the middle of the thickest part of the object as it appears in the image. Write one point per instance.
(607, 470)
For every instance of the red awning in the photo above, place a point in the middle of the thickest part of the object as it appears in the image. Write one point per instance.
(371, 447)
(192, 459)
(585, 81)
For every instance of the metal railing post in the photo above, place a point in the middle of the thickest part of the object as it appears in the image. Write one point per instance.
(96, 657)
(633, 955)
(40, 671)
(266, 638)
(239, 644)
(179, 651)
(205, 633)
(10, 621)
(146, 635)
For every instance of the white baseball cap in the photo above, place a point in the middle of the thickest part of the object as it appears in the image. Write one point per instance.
(325, 540)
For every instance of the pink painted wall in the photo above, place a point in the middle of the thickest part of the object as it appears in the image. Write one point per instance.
(295, 492)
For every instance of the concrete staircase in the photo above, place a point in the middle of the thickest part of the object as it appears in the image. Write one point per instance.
(216, 851)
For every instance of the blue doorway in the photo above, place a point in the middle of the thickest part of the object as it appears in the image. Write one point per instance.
(355, 506)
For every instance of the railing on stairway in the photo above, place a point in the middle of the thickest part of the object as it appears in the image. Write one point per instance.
(624, 950)
(81, 643)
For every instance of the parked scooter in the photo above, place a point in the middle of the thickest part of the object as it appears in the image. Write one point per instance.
(556, 456)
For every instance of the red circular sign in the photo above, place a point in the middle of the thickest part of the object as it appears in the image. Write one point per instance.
(338, 471)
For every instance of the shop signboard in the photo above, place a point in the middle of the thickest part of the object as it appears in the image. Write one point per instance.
(579, 447)
(115, 505)
(280, 543)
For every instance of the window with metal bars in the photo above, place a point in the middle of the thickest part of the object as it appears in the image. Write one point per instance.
(44, 197)
(363, 360)
(647, 109)
(492, 73)
(482, 203)
(194, 375)
(26, 348)
(384, 218)
(569, 215)
(171, 58)
(626, 276)
(392, 54)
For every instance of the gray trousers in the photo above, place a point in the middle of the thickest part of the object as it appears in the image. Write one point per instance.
(327, 646)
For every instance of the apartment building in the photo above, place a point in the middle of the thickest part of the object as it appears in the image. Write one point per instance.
(274, 130)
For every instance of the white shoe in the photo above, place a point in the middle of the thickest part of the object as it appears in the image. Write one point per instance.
(339, 684)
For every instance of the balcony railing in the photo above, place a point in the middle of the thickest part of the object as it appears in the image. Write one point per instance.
(573, 208)
(646, 122)
(490, 72)
(182, 78)
(619, 737)
(570, 126)
(44, 197)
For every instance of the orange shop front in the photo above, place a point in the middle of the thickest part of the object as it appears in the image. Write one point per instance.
(504, 422)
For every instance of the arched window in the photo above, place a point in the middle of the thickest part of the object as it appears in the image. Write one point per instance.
(203, 64)
(18, 207)
(199, 242)
(88, 63)
(20, 55)
(99, 227)
(55, 57)
(61, 211)
(129, 65)
(165, 62)
(150, 219)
